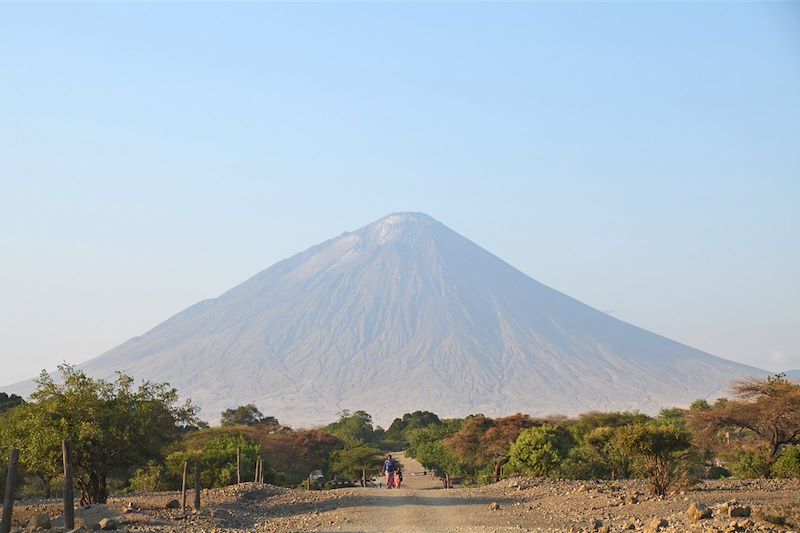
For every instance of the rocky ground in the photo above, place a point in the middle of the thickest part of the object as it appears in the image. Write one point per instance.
(519, 504)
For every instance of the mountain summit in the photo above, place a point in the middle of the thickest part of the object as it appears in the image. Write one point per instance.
(406, 314)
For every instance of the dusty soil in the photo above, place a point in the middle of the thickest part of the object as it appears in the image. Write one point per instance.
(421, 505)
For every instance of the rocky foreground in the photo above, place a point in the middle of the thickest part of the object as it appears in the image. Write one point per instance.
(519, 504)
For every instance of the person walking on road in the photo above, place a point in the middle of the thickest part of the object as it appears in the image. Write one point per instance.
(388, 470)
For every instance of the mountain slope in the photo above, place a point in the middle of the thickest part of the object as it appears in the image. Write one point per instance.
(406, 314)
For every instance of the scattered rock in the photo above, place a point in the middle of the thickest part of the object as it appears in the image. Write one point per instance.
(107, 524)
(698, 511)
(734, 509)
(39, 522)
(173, 504)
(494, 506)
(656, 524)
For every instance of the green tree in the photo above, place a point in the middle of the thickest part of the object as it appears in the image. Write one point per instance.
(540, 451)
(8, 402)
(599, 456)
(427, 446)
(699, 405)
(353, 427)
(659, 448)
(246, 415)
(588, 422)
(111, 426)
(351, 461)
(400, 427)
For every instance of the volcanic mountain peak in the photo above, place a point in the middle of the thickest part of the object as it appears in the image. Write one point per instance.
(405, 314)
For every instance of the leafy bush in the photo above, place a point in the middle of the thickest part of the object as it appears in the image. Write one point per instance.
(151, 478)
(540, 451)
(661, 451)
(788, 464)
(215, 449)
(747, 462)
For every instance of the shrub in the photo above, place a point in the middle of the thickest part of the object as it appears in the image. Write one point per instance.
(151, 478)
(540, 451)
(661, 450)
(747, 462)
(788, 464)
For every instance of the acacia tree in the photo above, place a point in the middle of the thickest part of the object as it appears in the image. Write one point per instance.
(111, 425)
(766, 410)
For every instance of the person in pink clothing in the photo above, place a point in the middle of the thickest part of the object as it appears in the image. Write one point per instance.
(388, 470)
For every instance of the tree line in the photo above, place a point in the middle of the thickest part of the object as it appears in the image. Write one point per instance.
(755, 433)
(129, 437)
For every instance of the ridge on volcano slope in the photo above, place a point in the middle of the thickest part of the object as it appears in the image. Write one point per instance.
(406, 314)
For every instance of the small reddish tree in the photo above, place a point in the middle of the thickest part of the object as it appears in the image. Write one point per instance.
(484, 442)
(296, 453)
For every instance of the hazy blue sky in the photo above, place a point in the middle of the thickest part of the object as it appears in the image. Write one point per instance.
(643, 158)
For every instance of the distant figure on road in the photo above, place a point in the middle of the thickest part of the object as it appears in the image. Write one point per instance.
(388, 470)
(398, 476)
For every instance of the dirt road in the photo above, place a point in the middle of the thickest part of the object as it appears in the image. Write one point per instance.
(418, 506)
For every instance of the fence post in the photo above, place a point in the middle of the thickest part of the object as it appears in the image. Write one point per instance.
(197, 484)
(238, 464)
(69, 497)
(8, 502)
(183, 486)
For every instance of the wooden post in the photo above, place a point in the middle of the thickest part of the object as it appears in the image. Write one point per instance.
(197, 484)
(69, 497)
(238, 464)
(8, 502)
(363, 477)
(255, 476)
(183, 486)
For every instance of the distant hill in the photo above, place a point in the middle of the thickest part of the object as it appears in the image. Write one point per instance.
(793, 375)
(405, 314)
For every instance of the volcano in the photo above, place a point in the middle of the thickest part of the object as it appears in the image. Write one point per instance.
(406, 314)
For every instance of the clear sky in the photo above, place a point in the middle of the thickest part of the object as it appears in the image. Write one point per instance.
(643, 158)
